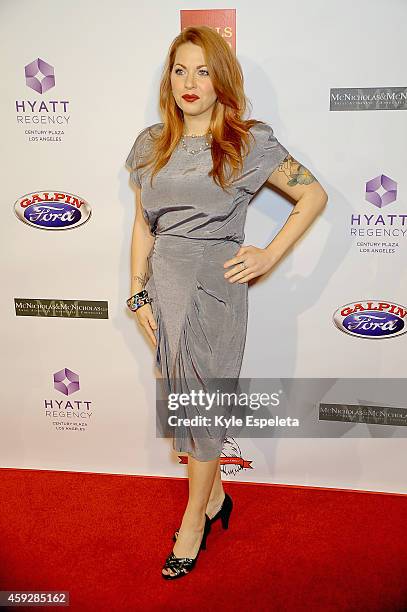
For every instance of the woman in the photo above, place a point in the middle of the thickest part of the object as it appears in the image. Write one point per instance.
(195, 174)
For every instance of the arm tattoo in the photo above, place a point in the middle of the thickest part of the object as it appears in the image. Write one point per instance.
(296, 173)
(295, 212)
(142, 279)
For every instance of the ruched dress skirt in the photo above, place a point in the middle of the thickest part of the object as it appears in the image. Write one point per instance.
(201, 329)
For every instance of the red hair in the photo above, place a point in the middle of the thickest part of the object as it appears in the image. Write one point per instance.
(230, 132)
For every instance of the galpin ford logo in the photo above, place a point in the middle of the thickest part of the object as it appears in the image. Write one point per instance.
(371, 319)
(52, 210)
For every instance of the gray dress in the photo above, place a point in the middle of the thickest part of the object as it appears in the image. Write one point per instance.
(201, 317)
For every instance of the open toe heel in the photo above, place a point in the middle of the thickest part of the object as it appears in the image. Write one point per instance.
(223, 514)
(184, 565)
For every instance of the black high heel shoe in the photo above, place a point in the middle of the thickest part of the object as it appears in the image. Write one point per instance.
(223, 514)
(183, 565)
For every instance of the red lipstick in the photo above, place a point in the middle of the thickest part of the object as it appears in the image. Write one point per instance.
(190, 97)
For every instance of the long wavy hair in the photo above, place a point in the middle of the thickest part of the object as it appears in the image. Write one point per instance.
(230, 132)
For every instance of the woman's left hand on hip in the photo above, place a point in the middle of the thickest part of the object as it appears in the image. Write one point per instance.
(256, 262)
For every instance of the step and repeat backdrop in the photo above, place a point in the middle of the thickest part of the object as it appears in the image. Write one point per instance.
(80, 81)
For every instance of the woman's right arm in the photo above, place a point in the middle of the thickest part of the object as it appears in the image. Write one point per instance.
(141, 245)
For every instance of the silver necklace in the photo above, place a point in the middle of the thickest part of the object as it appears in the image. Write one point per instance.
(201, 148)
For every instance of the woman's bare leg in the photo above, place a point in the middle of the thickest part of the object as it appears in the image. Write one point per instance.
(201, 476)
(217, 494)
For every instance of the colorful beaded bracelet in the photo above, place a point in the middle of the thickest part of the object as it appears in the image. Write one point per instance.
(138, 300)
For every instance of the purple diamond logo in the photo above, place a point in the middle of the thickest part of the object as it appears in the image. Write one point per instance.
(39, 76)
(388, 194)
(66, 387)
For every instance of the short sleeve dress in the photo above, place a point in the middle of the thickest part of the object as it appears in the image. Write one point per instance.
(201, 317)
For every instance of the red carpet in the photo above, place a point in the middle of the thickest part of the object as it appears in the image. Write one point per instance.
(104, 539)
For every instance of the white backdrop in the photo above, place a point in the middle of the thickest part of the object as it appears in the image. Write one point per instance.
(107, 59)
